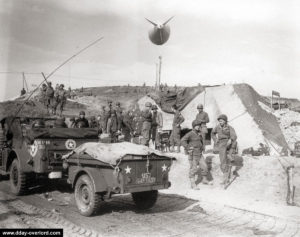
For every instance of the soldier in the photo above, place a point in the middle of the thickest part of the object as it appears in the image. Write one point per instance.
(224, 137)
(119, 110)
(157, 124)
(103, 120)
(43, 94)
(193, 146)
(147, 121)
(175, 134)
(127, 126)
(49, 96)
(113, 127)
(108, 114)
(82, 122)
(93, 122)
(202, 116)
(137, 126)
(61, 98)
(55, 100)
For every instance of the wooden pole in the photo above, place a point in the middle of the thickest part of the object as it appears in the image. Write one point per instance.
(290, 186)
(159, 70)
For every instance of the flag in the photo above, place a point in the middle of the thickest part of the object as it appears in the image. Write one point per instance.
(275, 93)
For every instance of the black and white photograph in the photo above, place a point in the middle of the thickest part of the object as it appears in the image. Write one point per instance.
(150, 118)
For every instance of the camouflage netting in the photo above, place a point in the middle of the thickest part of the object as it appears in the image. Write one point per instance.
(181, 98)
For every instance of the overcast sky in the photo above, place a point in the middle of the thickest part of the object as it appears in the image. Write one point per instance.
(211, 42)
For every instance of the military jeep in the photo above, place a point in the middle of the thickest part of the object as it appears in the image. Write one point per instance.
(97, 171)
(29, 152)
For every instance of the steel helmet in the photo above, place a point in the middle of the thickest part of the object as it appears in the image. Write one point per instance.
(196, 123)
(148, 104)
(81, 113)
(223, 117)
(200, 106)
(154, 107)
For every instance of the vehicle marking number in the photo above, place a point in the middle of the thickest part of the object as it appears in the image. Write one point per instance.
(146, 178)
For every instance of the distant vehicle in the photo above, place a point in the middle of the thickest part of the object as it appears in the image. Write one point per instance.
(160, 33)
(29, 152)
(136, 171)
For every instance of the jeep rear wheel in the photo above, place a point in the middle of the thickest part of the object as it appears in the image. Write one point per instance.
(18, 180)
(145, 200)
(87, 201)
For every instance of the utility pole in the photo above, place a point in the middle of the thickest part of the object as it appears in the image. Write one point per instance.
(159, 70)
(156, 77)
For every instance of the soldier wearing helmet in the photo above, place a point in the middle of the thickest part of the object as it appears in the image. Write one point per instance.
(93, 123)
(147, 121)
(61, 98)
(157, 124)
(42, 95)
(113, 126)
(176, 129)
(193, 144)
(224, 138)
(81, 122)
(49, 96)
(202, 116)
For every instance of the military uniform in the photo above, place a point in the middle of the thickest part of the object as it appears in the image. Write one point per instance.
(113, 127)
(127, 128)
(137, 127)
(157, 124)
(82, 123)
(61, 99)
(175, 135)
(146, 129)
(221, 136)
(193, 145)
(49, 96)
(203, 116)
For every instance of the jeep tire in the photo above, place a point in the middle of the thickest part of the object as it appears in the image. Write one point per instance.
(88, 202)
(145, 200)
(18, 180)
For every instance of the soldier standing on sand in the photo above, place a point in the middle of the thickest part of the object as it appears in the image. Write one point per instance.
(147, 121)
(49, 96)
(43, 94)
(113, 127)
(137, 126)
(202, 116)
(127, 126)
(193, 145)
(157, 124)
(61, 98)
(175, 134)
(224, 137)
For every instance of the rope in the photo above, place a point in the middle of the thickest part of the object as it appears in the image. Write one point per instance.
(238, 116)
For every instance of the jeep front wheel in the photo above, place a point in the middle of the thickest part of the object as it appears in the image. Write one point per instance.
(145, 200)
(18, 179)
(87, 201)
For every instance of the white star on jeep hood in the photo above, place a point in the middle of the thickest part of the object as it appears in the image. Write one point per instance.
(127, 170)
(164, 167)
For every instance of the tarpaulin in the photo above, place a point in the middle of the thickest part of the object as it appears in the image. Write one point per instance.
(111, 152)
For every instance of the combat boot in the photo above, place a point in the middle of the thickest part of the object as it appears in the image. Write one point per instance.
(205, 181)
(193, 184)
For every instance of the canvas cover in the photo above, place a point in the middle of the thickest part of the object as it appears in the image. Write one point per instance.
(111, 152)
